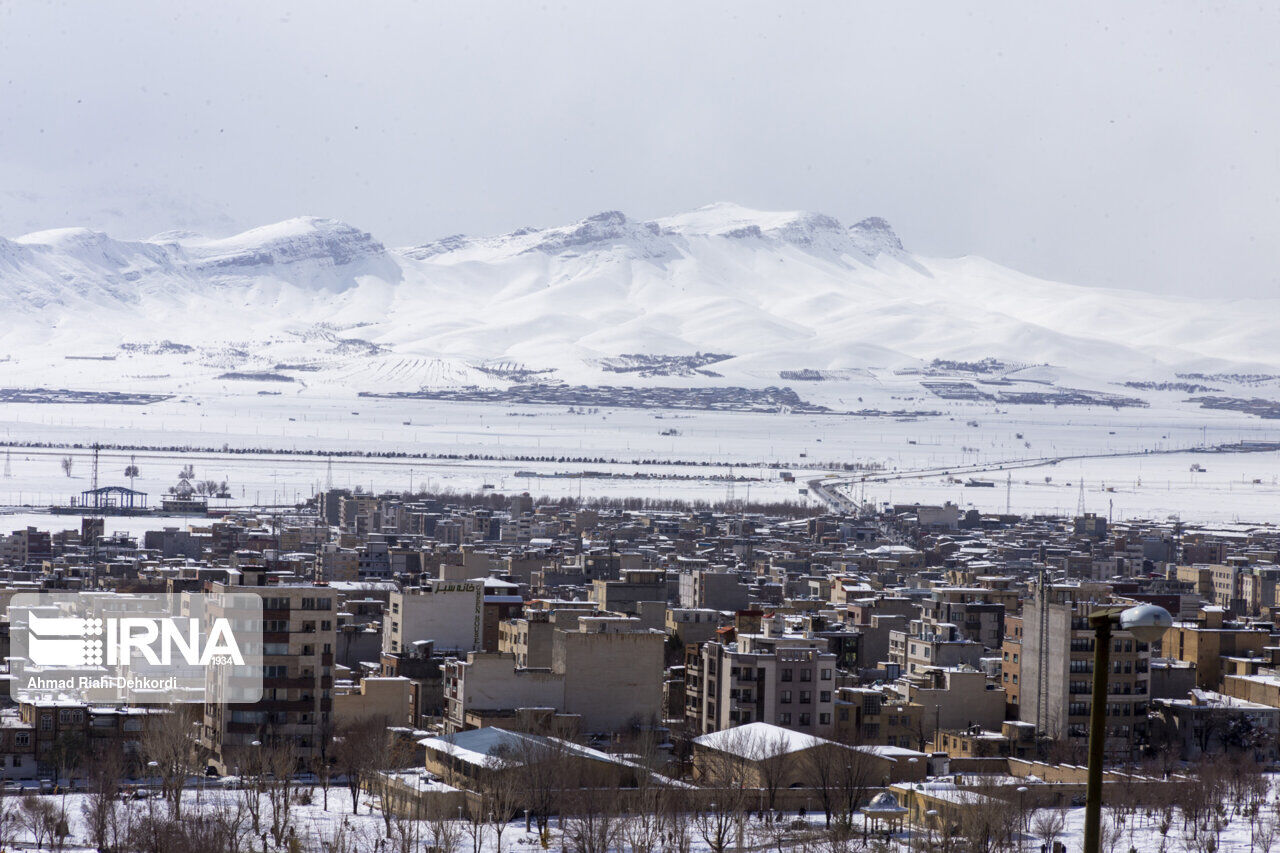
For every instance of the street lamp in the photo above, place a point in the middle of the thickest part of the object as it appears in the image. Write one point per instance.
(1147, 623)
(1022, 815)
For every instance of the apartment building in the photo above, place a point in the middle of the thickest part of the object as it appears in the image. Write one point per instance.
(714, 590)
(607, 671)
(625, 594)
(1056, 667)
(867, 715)
(298, 639)
(926, 644)
(448, 613)
(952, 698)
(786, 680)
(1209, 639)
(977, 613)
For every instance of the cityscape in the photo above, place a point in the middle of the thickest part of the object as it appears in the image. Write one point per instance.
(639, 427)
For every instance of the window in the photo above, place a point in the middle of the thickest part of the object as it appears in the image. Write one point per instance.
(806, 675)
(786, 675)
(785, 697)
(806, 719)
(22, 739)
(826, 675)
(824, 696)
(806, 697)
(46, 722)
(784, 719)
(824, 719)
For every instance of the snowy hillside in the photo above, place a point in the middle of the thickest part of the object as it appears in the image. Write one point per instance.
(721, 295)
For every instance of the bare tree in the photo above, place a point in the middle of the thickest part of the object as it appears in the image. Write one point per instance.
(1048, 824)
(717, 821)
(322, 759)
(9, 820)
(392, 753)
(279, 763)
(41, 818)
(725, 770)
(774, 761)
(66, 463)
(591, 808)
(100, 807)
(443, 831)
(167, 741)
(248, 764)
(986, 821)
(1264, 830)
(839, 774)
(500, 796)
(355, 754)
(539, 767)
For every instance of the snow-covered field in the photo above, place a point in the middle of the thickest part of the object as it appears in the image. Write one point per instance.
(1128, 469)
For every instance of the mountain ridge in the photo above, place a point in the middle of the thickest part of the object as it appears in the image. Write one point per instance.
(789, 290)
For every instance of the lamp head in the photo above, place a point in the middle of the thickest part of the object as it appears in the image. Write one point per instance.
(1147, 622)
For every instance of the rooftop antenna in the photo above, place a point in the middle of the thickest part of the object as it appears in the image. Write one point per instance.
(1008, 493)
(8, 464)
(328, 475)
(1080, 502)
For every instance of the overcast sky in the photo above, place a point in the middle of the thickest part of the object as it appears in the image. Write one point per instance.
(1130, 145)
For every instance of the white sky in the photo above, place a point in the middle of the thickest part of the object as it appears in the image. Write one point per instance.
(1133, 145)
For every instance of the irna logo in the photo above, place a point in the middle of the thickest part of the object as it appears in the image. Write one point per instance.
(76, 642)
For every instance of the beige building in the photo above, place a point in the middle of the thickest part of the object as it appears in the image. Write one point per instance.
(865, 715)
(298, 640)
(383, 698)
(1208, 640)
(952, 699)
(606, 671)
(784, 679)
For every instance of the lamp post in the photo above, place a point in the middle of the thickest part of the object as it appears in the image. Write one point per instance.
(1022, 815)
(1147, 623)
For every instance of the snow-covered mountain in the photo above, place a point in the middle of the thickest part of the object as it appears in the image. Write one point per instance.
(769, 293)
